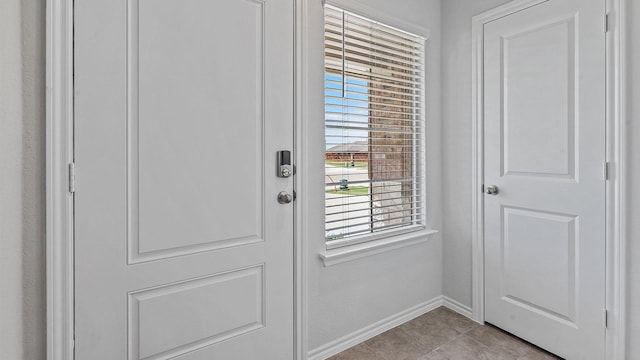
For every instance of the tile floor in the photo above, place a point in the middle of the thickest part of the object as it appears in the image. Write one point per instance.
(443, 334)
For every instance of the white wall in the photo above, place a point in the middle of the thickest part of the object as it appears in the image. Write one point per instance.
(634, 180)
(22, 61)
(347, 297)
(456, 80)
(343, 298)
(456, 135)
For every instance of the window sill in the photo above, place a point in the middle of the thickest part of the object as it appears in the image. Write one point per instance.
(357, 251)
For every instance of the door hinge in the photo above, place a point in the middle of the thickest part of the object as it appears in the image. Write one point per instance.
(605, 170)
(606, 22)
(606, 318)
(72, 178)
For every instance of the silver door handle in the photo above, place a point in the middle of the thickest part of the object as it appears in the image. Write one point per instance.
(284, 197)
(492, 190)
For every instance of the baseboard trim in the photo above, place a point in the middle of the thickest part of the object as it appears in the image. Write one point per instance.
(377, 328)
(460, 308)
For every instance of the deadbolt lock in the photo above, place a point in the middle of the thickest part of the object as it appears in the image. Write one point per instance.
(284, 169)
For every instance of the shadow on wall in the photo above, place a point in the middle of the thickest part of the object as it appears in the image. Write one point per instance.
(22, 194)
(33, 179)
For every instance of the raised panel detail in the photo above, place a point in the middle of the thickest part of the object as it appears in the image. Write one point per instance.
(175, 319)
(539, 94)
(539, 251)
(195, 126)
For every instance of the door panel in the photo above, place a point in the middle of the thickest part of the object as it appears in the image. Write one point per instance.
(534, 119)
(544, 88)
(196, 87)
(162, 318)
(539, 253)
(182, 250)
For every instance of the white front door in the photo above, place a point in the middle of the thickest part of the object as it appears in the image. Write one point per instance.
(544, 86)
(182, 249)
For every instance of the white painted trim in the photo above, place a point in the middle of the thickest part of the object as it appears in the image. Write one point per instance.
(362, 8)
(504, 10)
(59, 202)
(477, 176)
(301, 205)
(377, 328)
(616, 153)
(616, 335)
(458, 307)
(357, 251)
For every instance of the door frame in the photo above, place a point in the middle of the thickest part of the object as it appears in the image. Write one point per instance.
(59, 200)
(616, 156)
(59, 197)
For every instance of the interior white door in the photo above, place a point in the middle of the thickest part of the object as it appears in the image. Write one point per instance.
(544, 136)
(182, 249)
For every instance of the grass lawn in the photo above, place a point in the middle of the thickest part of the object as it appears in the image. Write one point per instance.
(353, 190)
(358, 164)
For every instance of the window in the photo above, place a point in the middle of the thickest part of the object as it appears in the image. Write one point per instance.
(374, 129)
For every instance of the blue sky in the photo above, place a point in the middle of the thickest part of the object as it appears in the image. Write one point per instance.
(352, 107)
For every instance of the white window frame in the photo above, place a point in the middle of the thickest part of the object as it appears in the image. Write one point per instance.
(420, 165)
(313, 109)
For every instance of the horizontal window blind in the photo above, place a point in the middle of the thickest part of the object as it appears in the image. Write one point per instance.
(374, 128)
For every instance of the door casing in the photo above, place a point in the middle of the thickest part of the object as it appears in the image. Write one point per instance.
(616, 241)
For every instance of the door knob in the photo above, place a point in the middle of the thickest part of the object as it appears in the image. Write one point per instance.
(492, 190)
(284, 197)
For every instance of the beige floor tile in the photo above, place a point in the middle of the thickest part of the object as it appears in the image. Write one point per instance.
(500, 341)
(454, 320)
(397, 345)
(430, 334)
(444, 335)
(358, 352)
(466, 348)
(539, 354)
(434, 355)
